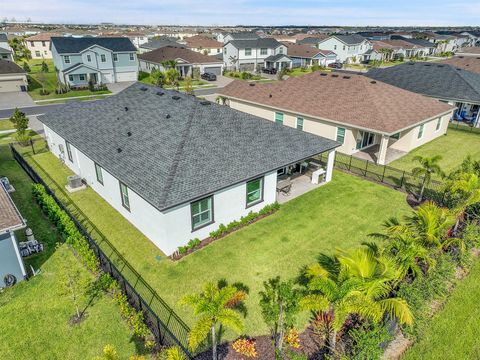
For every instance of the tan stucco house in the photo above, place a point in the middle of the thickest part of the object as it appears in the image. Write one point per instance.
(366, 116)
(39, 45)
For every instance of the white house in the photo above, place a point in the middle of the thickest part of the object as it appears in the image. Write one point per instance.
(349, 48)
(243, 35)
(199, 165)
(6, 52)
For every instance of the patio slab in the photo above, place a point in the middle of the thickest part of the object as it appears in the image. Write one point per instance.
(300, 185)
(370, 154)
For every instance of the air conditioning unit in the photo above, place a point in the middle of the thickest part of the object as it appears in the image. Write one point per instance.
(74, 182)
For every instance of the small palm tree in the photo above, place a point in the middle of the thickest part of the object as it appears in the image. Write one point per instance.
(466, 188)
(214, 306)
(428, 166)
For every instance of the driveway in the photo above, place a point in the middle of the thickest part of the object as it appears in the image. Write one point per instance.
(9, 100)
(119, 86)
(221, 81)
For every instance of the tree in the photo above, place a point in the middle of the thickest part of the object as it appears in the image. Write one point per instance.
(465, 188)
(354, 282)
(20, 121)
(158, 77)
(44, 67)
(214, 306)
(171, 76)
(428, 166)
(279, 304)
(26, 67)
(42, 79)
(169, 64)
(188, 85)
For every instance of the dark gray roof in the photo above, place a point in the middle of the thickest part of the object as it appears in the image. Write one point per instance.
(9, 67)
(309, 41)
(71, 45)
(159, 43)
(350, 39)
(436, 80)
(255, 43)
(3, 37)
(5, 51)
(276, 57)
(196, 150)
(418, 42)
(244, 35)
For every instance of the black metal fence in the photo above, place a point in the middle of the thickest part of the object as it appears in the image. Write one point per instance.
(459, 125)
(167, 327)
(393, 177)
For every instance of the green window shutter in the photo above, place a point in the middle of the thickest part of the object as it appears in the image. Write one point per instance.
(341, 135)
(420, 131)
(279, 117)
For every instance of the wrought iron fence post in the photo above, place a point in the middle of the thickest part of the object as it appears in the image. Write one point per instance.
(402, 179)
(383, 175)
(31, 144)
(366, 167)
(350, 163)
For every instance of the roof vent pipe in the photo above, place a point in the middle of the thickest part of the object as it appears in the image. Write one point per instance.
(126, 108)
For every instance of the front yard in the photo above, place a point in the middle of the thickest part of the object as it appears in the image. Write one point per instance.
(50, 82)
(147, 79)
(339, 214)
(453, 147)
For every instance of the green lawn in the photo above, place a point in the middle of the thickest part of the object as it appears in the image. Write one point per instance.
(35, 86)
(6, 125)
(34, 314)
(453, 147)
(147, 79)
(453, 331)
(302, 71)
(339, 214)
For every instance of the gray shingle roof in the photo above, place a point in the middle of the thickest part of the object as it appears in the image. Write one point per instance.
(157, 44)
(170, 160)
(436, 80)
(71, 45)
(350, 39)
(3, 37)
(256, 43)
(5, 51)
(276, 57)
(9, 67)
(244, 35)
(418, 42)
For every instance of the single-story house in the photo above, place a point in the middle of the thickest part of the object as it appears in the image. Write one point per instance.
(199, 165)
(306, 55)
(203, 44)
(186, 60)
(444, 82)
(158, 43)
(12, 77)
(12, 269)
(39, 45)
(362, 114)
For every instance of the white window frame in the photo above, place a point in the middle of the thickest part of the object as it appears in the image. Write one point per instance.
(260, 190)
(69, 151)
(421, 131)
(296, 123)
(115, 57)
(99, 173)
(124, 195)
(70, 77)
(439, 124)
(66, 59)
(132, 57)
(344, 134)
(89, 58)
(81, 77)
(210, 210)
(103, 58)
(275, 118)
(249, 50)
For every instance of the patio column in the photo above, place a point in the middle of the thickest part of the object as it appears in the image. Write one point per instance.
(330, 162)
(382, 151)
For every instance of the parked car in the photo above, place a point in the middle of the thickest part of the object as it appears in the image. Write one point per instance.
(209, 76)
(272, 71)
(335, 65)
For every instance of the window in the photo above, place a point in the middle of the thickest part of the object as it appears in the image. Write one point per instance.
(225, 51)
(66, 58)
(89, 58)
(280, 51)
(82, 77)
(115, 57)
(70, 77)
(334, 47)
(299, 123)
(343, 47)
(218, 51)
(254, 192)
(439, 124)
(37, 53)
(248, 52)
(43, 44)
(45, 52)
(98, 171)
(124, 195)
(420, 131)
(340, 135)
(103, 58)
(263, 51)
(132, 57)
(69, 151)
(396, 136)
(32, 43)
(202, 213)
(279, 117)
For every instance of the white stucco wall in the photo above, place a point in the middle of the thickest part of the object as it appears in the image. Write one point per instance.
(173, 227)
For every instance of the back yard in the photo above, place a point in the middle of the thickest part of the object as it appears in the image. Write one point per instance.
(340, 214)
(453, 147)
(34, 315)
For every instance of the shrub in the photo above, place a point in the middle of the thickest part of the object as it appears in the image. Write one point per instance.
(44, 92)
(26, 67)
(245, 347)
(369, 341)
(244, 75)
(292, 338)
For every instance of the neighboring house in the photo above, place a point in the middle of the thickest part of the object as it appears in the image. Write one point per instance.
(158, 43)
(306, 55)
(408, 48)
(363, 115)
(198, 165)
(440, 81)
(6, 52)
(178, 35)
(203, 44)
(421, 47)
(244, 35)
(241, 55)
(12, 269)
(39, 45)
(474, 37)
(389, 51)
(102, 60)
(137, 38)
(469, 51)
(470, 63)
(12, 77)
(349, 48)
(302, 38)
(186, 61)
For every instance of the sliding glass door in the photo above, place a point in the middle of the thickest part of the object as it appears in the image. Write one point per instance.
(365, 139)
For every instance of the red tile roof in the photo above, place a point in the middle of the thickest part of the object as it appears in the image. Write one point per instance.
(346, 99)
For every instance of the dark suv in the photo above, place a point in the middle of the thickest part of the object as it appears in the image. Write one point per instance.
(209, 76)
(335, 65)
(271, 71)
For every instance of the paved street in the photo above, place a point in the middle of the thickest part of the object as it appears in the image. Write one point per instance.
(29, 110)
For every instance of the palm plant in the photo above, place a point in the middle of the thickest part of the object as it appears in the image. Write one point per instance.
(214, 306)
(169, 64)
(354, 282)
(466, 188)
(428, 167)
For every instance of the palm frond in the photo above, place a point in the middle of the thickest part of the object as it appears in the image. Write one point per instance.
(314, 302)
(397, 308)
(199, 332)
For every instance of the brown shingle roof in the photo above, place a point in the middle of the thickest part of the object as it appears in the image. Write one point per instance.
(173, 53)
(471, 63)
(9, 216)
(470, 50)
(346, 99)
(42, 37)
(198, 41)
(304, 51)
(400, 44)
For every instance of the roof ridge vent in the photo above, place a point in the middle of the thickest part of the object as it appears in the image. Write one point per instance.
(159, 93)
(323, 74)
(129, 133)
(126, 108)
(119, 150)
(176, 97)
(143, 88)
(346, 77)
(251, 84)
(168, 116)
(373, 82)
(204, 102)
(335, 75)
(270, 95)
(461, 57)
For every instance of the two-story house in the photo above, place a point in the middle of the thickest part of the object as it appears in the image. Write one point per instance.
(101, 60)
(243, 35)
(39, 45)
(6, 52)
(349, 48)
(249, 55)
(203, 44)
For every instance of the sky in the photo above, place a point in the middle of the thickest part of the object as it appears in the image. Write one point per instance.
(248, 12)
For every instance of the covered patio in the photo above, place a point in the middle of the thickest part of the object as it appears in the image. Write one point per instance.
(279, 62)
(372, 154)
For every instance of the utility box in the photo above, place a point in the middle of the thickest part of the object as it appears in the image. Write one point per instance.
(74, 181)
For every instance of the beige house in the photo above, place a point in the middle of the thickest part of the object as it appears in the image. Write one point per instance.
(39, 45)
(369, 118)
